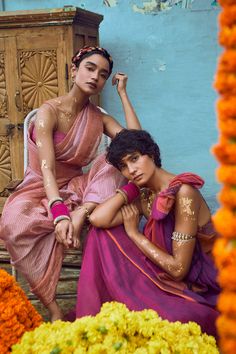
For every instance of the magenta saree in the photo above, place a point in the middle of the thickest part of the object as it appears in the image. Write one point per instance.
(114, 269)
(26, 225)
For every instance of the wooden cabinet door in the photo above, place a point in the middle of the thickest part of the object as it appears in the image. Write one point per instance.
(32, 70)
(10, 141)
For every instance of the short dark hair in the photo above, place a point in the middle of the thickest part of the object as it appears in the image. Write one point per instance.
(128, 141)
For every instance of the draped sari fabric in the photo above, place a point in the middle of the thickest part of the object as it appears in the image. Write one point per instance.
(114, 269)
(26, 225)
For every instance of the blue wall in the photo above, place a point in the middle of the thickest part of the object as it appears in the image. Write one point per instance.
(170, 54)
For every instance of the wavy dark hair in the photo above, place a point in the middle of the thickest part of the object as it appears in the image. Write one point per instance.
(128, 141)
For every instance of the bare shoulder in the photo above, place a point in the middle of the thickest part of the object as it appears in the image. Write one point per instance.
(187, 192)
(46, 116)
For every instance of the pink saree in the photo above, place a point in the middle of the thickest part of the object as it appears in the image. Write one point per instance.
(26, 225)
(114, 269)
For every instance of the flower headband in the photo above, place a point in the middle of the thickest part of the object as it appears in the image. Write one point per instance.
(77, 58)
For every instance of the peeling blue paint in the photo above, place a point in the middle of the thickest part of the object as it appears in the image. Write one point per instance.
(155, 6)
(110, 3)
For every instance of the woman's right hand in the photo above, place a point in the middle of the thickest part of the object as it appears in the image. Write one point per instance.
(64, 232)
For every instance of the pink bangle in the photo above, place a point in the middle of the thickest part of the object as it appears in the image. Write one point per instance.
(131, 190)
(59, 210)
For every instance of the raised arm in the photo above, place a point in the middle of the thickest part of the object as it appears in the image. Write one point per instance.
(183, 238)
(111, 126)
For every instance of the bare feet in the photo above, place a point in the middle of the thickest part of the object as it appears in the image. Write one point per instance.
(55, 311)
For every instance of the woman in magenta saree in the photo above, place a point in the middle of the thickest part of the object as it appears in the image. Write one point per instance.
(145, 270)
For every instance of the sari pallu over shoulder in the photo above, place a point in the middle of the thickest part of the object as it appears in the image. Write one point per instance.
(79, 146)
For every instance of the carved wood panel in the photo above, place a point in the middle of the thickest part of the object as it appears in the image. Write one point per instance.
(38, 75)
(5, 163)
(3, 92)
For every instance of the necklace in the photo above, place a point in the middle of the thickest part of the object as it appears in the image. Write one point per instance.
(148, 196)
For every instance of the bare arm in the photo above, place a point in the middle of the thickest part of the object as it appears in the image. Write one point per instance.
(108, 213)
(111, 126)
(45, 124)
(186, 216)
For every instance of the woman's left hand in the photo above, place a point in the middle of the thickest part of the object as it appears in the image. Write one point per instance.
(120, 80)
(130, 214)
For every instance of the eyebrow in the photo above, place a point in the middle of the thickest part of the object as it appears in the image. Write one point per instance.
(93, 64)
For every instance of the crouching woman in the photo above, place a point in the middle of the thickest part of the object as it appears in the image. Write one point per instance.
(168, 266)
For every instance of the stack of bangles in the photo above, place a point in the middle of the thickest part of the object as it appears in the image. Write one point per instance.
(129, 192)
(58, 209)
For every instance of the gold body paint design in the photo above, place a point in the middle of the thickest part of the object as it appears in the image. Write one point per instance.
(41, 123)
(44, 164)
(185, 204)
(39, 143)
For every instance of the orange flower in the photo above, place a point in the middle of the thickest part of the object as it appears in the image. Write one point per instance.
(227, 62)
(17, 314)
(227, 196)
(225, 82)
(227, 278)
(226, 2)
(225, 151)
(226, 326)
(227, 303)
(227, 37)
(229, 345)
(224, 252)
(225, 218)
(227, 16)
(226, 107)
(227, 174)
(225, 222)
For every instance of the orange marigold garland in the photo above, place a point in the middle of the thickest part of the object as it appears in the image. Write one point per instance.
(17, 314)
(225, 152)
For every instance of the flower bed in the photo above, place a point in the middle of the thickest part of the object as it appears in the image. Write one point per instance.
(116, 329)
(225, 151)
(17, 314)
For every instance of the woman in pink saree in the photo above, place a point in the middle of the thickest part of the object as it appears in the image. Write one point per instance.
(48, 209)
(168, 267)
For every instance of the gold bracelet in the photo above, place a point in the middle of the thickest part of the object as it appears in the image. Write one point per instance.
(87, 212)
(124, 195)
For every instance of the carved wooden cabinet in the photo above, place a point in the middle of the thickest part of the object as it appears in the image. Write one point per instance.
(35, 54)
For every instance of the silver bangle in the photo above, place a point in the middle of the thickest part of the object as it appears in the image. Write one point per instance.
(59, 218)
(179, 236)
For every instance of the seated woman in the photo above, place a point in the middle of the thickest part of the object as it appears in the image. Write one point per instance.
(168, 267)
(46, 213)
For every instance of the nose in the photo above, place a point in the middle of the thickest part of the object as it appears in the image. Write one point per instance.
(131, 168)
(95, 75)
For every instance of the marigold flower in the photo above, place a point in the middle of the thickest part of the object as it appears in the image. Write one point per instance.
(225, 218)
(17, 314)
(227, 303)
(226, 107)
(225, 222)
(228, 15)
(227, 37)
(116, 329)
(226, 174)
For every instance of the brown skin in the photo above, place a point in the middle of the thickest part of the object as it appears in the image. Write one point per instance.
(89, 79)
(191, 212)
